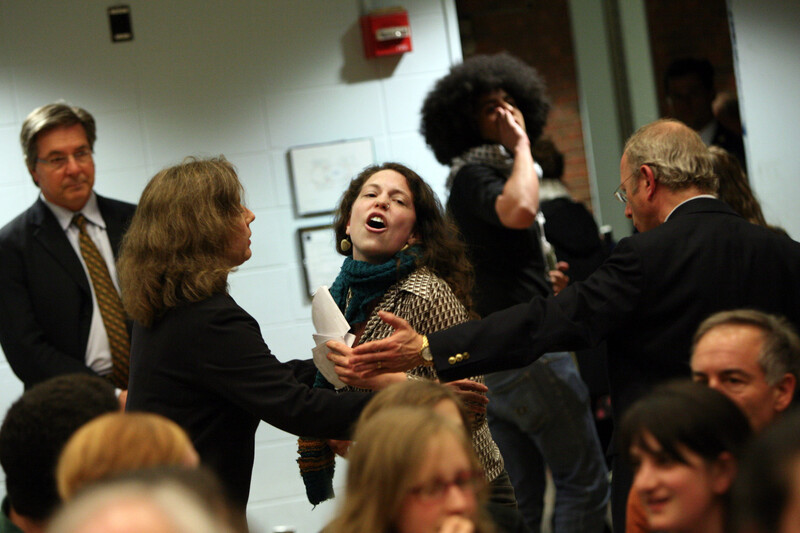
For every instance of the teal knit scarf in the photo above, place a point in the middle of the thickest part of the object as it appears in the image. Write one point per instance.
(366, 282)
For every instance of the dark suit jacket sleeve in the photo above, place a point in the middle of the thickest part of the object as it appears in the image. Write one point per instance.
(579, 317)
(31, 356)
(237, 364)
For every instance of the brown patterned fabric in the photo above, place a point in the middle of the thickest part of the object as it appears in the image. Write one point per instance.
(109, 303)
(429, 305)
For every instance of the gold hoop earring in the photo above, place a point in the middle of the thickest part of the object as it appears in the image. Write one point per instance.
(345, 245)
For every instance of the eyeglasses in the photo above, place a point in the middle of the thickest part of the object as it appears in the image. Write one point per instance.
(57, 162)
(436, 490)
(621, 195)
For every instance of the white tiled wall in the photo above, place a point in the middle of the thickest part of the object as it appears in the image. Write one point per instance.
(248, 79)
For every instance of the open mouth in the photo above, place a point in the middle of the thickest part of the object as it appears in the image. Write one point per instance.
(376, 222)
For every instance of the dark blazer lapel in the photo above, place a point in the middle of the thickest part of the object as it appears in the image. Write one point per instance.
(46, 230)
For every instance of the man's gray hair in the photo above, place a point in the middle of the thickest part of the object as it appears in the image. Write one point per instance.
(51, 116)
(675, 152)
(172, 505)
(780, 351)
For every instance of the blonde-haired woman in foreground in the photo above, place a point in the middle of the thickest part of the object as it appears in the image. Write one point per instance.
(121, 442)
(412, 471)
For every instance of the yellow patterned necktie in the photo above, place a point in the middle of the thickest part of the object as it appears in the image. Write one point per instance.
(110, 305)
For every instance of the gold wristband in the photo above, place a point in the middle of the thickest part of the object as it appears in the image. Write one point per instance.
(425, 352)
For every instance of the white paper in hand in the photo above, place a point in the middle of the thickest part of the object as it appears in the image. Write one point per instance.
(331, 326)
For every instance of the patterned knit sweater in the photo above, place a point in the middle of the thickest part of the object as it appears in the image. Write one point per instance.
(428, 304)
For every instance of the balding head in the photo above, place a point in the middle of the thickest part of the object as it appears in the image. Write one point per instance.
(127, 506)
(675, 152)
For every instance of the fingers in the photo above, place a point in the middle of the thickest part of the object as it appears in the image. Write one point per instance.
(475, 398)
(375, 365)
(338, 360)
(339, 447)
(457, 524)
(393, 320)
(468, 385)
(559, 280)
(338, 347)
(563, 266)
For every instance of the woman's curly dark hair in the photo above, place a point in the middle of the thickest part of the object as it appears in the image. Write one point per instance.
(449, 113)
(443, 252)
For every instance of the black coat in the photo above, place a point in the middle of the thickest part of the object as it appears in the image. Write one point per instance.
(205, 366)
(647, 300)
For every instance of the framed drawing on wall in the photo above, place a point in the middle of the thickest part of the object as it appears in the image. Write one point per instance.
(321, 261)
(322, 172)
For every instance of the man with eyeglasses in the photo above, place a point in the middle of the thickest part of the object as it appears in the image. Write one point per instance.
(50, 319)
(694, 256)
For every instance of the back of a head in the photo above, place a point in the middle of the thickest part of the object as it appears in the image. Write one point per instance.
(175, 247)
(768, 482)
(686, 414)
(200, 481)
(34, 431)
(413, 393)
(675, 152)
(129, 506)
(120, 442)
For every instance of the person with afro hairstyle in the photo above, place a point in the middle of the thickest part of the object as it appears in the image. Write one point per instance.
(480, 120)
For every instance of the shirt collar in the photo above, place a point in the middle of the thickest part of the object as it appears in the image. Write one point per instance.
(689, 200)
(64, 216)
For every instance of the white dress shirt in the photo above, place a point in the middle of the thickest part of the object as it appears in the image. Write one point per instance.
(98, 351)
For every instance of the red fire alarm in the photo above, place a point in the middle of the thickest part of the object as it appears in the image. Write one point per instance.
(386, 32)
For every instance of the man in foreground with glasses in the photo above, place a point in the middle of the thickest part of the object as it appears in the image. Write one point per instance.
(693, 257)
(60, 311)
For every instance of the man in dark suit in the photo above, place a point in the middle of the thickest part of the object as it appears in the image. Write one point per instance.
(693, 257)
(50, 322)
(689, 86)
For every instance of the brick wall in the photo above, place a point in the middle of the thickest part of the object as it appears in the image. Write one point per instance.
(540, 34)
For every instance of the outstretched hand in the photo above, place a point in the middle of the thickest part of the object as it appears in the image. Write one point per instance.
(397, 353)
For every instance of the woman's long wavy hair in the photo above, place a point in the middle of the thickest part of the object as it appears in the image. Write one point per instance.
(442, 250)
(734, 189)
(389, 449)
(174, 250)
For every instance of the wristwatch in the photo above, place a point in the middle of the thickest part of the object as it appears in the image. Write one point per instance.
(425, 352)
